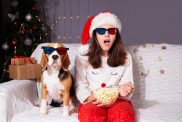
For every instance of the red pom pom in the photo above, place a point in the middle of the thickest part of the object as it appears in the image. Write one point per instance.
(103, 85)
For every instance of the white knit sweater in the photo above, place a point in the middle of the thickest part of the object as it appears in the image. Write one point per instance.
(89, 79)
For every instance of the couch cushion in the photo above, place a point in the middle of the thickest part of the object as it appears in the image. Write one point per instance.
(54, 115)
(161, 112)
(16, 96)
(157, 72)
(158, 82)
(157, 113)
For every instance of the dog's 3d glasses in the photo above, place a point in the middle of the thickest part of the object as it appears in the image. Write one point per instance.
(50, 50)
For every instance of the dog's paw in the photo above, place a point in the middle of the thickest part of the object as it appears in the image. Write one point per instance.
(43, 107)
(65, 114)
(73, 110)
(65, 111)
(71, 107)
(43, 110)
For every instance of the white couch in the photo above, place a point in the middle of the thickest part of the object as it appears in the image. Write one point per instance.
(157, 96)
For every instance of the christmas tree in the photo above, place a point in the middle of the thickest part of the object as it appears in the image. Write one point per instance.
(24, 31)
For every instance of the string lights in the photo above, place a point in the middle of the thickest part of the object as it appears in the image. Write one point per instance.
(64, 19)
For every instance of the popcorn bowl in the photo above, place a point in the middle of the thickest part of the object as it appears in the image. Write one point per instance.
(107, 95)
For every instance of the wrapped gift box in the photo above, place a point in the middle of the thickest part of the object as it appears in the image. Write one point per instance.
(22, 60)
(25, 72)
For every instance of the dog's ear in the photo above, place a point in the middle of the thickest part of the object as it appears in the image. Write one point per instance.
(65, 62)
(43, 61)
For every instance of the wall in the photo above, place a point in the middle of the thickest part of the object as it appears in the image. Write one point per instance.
(144, 21)
(152, 21)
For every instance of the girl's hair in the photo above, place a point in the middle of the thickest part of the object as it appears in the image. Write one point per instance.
(117, 55)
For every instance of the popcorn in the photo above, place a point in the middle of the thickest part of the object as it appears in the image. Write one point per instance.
(107, 95)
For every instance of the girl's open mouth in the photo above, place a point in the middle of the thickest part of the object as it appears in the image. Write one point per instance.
(106, 41)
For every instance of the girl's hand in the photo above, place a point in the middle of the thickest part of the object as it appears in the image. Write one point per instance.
(126, 89)
(92, 99)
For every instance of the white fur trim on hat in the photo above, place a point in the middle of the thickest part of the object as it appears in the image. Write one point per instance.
(105, 18)
(83, 49)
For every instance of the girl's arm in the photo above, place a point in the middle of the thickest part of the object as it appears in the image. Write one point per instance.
(82, 90)
(126, 82)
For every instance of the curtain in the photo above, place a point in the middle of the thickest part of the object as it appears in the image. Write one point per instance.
(65, 19)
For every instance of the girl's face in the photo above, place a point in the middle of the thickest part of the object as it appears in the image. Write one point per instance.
(106, 36)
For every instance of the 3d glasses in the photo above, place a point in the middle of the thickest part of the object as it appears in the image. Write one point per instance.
(102, 31)
(50, 50)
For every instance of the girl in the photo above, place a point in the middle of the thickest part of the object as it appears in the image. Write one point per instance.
(104, 64)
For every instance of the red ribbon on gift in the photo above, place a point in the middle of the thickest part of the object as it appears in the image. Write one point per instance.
(25, 59)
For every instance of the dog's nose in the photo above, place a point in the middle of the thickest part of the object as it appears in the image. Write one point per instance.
(55, 57)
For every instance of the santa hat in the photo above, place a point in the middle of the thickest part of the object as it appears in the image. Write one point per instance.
(95, 22)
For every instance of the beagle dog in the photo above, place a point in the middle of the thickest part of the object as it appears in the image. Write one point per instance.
(56, 79)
